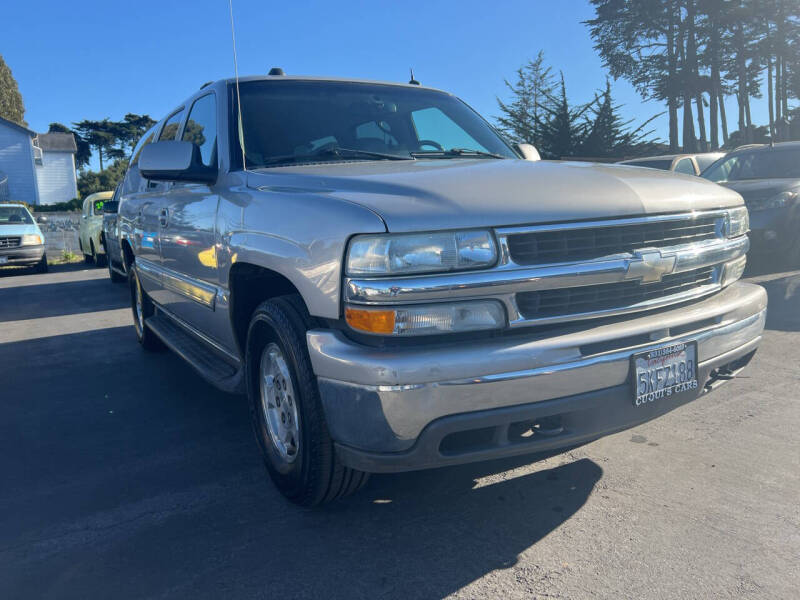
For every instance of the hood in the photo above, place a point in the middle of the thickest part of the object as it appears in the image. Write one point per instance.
(458, 193)
(19, 229)
(758, 190)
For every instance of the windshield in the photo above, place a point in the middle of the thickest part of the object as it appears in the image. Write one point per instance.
(758, 164)
(664, 165)
(15, 215)
(302, 121)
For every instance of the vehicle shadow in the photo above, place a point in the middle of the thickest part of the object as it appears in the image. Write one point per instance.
(783, 311)
(62, 268)
(127, 476)
(34, 300)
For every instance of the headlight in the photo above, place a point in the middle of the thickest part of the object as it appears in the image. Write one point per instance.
(776, 201)
(427, 319)
(738, 221)
(31, 239)
(406, 254)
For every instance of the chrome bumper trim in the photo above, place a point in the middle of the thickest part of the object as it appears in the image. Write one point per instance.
(404, 389)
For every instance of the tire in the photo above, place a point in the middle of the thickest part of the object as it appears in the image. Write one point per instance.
(97, 259)
(113, 275)
(41, 266)
(305, 469)
(87, 258)
(142, 308)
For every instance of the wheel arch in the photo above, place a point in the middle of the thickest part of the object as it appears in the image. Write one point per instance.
(249, 285)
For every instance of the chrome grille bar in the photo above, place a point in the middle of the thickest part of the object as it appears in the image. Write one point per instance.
(630, 269)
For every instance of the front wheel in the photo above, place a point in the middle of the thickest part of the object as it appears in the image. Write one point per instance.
(41, 266)
(97, 259)
(286, 411)
(112, 274)
(142, 308)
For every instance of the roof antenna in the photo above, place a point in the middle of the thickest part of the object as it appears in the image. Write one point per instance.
(413, 81)
(238, 96)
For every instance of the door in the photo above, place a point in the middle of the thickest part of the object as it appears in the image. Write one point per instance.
(188, 227)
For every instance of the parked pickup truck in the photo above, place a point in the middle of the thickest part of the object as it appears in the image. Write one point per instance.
(395, 288)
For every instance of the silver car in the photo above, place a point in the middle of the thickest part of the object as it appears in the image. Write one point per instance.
(394, 287)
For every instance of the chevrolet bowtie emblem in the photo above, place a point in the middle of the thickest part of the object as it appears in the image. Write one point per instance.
(649, 266)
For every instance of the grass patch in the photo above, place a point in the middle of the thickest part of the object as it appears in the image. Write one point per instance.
(66, 257)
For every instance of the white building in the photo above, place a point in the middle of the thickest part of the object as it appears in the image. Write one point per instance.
(36, 168)
(55, 171)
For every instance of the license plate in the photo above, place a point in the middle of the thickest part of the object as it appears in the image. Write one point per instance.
(3, 260)
(664, 372)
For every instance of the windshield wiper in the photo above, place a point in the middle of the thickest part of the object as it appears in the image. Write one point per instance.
(457, 153)
(335, 151)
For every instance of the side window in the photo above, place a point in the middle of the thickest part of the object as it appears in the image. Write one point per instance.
(97, 207)
(201, 128)
(685, 165)
(170, 131)
(433, 125)
(146, 139)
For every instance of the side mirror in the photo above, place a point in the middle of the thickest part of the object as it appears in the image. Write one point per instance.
(111, 207)
(528, 152)
(175, 161)
(41, 219)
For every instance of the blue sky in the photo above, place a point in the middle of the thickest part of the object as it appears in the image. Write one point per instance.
(94, 59)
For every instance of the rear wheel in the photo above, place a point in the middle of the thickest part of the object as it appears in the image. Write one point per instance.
(142, 308)
(287, 414)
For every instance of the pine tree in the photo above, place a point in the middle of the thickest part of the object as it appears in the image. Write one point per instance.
(562, 129)
(529, 95)
(11, 106)
(608, 135)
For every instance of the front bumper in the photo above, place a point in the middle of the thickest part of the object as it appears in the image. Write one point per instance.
(21, 255)
(395, 409)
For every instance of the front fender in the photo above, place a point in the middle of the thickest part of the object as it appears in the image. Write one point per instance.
(301, 236)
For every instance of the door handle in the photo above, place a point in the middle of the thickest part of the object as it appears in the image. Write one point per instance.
(163, 217)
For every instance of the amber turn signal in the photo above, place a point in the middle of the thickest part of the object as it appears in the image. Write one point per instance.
(370, 321)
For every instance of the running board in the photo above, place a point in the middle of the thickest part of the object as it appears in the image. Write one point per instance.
(210, 364)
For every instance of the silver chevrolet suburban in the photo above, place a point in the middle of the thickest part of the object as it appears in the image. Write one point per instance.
(395, 287)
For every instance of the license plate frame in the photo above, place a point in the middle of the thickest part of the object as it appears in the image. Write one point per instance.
(657, 373)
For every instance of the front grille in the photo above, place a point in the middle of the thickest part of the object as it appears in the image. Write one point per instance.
(9, 242)
(567, 245)
(608, 296)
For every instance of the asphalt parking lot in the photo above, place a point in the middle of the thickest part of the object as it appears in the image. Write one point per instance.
(126, 476)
